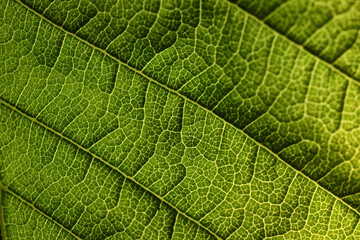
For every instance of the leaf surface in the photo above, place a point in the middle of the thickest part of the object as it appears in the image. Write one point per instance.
(176, 119)
(327, 29)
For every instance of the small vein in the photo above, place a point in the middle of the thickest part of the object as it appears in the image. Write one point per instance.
(275, 9)
(173, 227)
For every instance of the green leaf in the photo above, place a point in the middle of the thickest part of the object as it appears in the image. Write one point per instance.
(171, 119)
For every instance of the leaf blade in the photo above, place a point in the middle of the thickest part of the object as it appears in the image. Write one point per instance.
(170, 104)
(251, 99)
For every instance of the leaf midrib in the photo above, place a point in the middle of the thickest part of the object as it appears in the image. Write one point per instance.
(347, 77)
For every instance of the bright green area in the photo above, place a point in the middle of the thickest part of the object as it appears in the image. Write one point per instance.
(173, 119)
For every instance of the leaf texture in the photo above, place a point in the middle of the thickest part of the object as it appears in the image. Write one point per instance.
(178, 120)
(328, 29)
